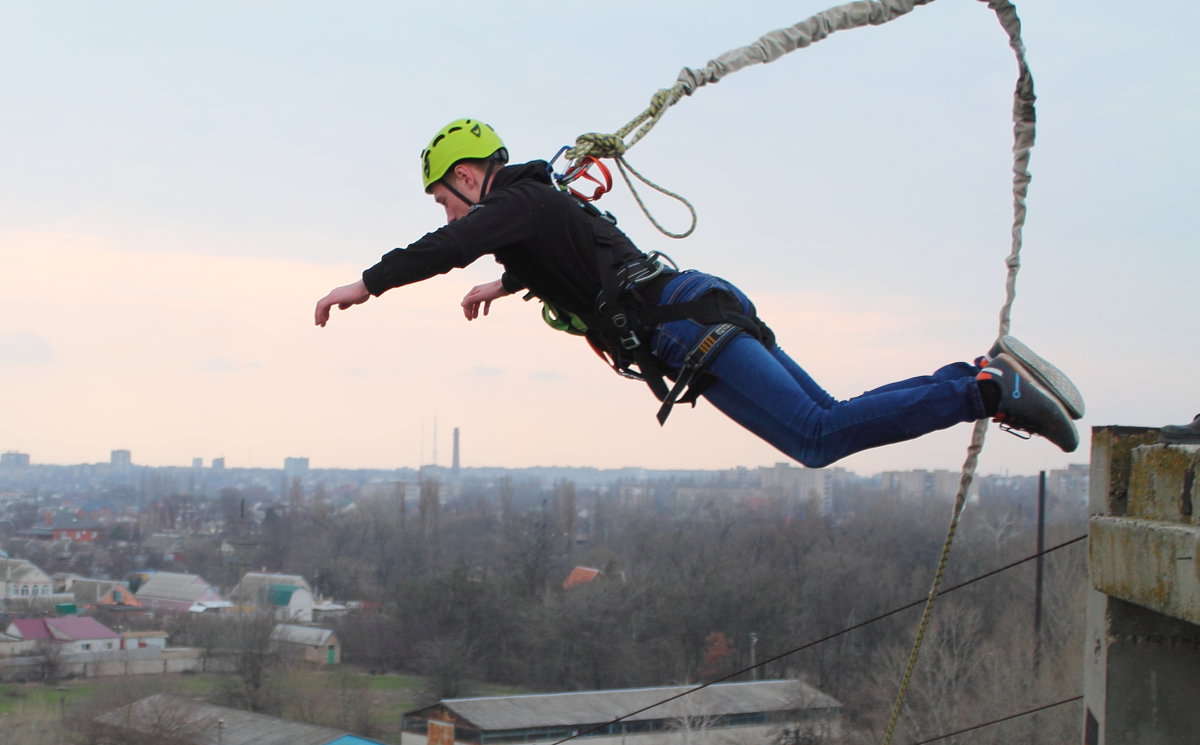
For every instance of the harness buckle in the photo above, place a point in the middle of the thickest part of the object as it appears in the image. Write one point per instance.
(644, 269)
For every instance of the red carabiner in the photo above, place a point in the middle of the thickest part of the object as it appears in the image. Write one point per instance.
(581, 170)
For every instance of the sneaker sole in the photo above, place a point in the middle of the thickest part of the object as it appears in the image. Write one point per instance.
(1055, 380)
(1068, 439)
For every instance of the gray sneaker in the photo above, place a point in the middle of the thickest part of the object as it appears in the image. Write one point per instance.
(1026, 405)
(1051, 378)
(1183, 434)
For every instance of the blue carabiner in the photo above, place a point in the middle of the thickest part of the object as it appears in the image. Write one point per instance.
(557, 178)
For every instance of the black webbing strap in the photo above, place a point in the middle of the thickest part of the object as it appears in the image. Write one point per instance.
(696, 360)
(622, 322)
(716, 306)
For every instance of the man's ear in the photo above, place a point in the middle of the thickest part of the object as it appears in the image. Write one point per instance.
(466, 176)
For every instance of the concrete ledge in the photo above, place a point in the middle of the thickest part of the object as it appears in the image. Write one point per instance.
(1147, 562)
(1163, 483)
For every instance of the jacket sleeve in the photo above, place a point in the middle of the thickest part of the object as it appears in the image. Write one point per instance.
(511, 283)
(501, 220)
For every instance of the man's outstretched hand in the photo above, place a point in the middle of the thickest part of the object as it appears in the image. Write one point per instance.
(343, 297)
(482, 295)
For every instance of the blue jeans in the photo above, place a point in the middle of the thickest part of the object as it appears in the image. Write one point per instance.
(766, 392)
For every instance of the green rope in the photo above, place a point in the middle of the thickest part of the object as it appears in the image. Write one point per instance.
(599, 145)
(968, 475)
(767, 48)
(1024, 118)
(622, 164)
(774, 45)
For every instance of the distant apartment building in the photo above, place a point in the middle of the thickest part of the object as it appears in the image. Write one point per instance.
(291, 487)
(14, 460)
(1070, 484)
(295, 467)
(120, 459)
(799, 484)
(920, 484)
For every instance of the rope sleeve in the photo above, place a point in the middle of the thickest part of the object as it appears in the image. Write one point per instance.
(775, 44)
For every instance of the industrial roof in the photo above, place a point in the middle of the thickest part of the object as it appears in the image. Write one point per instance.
(594, 707)
(218, 724)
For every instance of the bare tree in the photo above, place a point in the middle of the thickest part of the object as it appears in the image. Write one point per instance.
(248, 639)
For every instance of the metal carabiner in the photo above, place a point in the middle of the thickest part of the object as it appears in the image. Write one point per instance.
(581, 170)
(577, 170)
(556, 178)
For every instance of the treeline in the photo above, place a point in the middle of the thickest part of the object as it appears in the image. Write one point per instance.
(695, 590)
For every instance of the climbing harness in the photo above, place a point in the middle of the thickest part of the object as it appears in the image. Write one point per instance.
(769, 48)
(622, 320)
(624, 315)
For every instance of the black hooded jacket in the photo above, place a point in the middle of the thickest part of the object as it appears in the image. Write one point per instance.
(549, 243)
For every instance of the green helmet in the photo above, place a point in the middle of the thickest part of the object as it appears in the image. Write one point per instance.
(461, 139)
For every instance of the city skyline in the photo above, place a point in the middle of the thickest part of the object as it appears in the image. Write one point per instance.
(301, 465)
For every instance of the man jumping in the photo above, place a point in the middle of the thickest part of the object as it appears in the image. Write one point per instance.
(698, 331)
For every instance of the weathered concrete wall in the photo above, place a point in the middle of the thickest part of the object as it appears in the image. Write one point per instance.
(1142, 662)
(147, 661)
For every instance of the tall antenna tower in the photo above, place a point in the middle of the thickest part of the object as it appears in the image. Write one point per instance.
(433, 460)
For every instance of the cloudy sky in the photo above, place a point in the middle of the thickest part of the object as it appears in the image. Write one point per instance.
(182, 181)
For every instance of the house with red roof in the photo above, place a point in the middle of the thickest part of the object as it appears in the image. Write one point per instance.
(69, 634)
(580, 575)
(70, 526)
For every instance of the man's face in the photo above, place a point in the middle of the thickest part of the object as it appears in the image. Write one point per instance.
(467, 184)
(455, 207)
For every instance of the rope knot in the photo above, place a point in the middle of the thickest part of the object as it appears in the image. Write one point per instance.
(663, 98)
(597, 145)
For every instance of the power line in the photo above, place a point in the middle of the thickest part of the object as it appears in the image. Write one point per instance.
(823, 639)
(998, 721)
